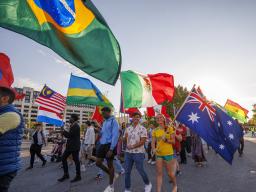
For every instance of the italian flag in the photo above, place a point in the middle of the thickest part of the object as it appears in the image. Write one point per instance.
(140, 90)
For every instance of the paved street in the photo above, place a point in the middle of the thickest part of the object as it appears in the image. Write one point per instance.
(218, 176)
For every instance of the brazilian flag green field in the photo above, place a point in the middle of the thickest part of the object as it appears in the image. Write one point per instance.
(74, 29)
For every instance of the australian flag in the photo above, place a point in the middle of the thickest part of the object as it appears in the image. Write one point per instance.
(212, 124)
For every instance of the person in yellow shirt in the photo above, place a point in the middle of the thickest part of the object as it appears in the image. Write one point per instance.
(163, 137)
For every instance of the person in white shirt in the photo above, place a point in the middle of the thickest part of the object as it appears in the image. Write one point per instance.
(87, 145)
(135, 137)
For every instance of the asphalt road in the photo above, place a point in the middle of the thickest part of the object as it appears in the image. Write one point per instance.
(217, 176)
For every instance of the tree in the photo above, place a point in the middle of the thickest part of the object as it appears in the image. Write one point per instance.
(180, 95)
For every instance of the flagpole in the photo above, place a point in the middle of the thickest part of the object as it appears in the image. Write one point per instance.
(183, 103)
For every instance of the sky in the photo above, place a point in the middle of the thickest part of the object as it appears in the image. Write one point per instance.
(211, 43)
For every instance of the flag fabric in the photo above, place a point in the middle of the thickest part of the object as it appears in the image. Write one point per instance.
(97, 116)
(45, 115)
(151, 112)
(236, 111)
(211, 123)
(83, 91)
(51, 106)
(74, 29)
(6, 74)
(146, 90)
(130, 111)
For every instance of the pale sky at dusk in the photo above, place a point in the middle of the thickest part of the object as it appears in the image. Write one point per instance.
(211, 43)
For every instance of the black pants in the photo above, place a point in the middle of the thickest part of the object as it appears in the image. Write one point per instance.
(241, 147)
(188, 144)
(5, 181)
(35, 150)
(75, 155)
(153, 158)
(183, 156)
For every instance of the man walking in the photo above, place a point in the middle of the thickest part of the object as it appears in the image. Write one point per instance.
(72, 147)
(135, 136)
(107, 148)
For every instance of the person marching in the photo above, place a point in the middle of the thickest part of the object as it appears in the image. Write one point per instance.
(106, 149)
(135, 137)
(72, 147)
(163, 138)
(88, 144)
(151, 158)
(38, 140)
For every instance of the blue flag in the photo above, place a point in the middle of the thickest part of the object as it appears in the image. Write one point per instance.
(211, 123)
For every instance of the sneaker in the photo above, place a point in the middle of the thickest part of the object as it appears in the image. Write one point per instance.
(109, 189)
(126, 190)
(178, 173)
(63, 178)
(148, 187)
(122, 172)
(153, 162)
(77, 178)
(83, 169)
(149, 161)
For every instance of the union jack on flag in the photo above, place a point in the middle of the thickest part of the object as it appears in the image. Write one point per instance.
(204, 105)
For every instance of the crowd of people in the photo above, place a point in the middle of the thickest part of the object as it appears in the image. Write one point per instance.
(114, 148)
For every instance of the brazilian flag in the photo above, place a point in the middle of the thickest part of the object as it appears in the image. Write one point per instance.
(74, 29)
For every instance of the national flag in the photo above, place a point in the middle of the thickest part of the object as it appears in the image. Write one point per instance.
(211, 123)
(160, 109)
(151, 112)
(146, 90)
(237, 111)
(45, 115)
(74, 29)
(97, 116)
(6, 74)
(51, 106)
(83, 91)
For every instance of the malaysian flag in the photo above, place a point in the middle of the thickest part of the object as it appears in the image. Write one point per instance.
(51, 107)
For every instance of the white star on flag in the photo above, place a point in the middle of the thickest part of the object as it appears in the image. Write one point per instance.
(229, 123)
(231, 136)
(193, 117)
(222, 147)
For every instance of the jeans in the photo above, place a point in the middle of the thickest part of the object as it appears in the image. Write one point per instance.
(183, 157)
(138, 159)
(75, 155)
(5, 181)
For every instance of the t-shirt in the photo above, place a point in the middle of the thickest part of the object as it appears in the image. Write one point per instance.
(163, 148)
(134, 136)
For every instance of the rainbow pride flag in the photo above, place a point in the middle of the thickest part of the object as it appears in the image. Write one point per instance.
(236, 111)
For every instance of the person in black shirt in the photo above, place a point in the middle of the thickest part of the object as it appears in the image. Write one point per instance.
(72, 147)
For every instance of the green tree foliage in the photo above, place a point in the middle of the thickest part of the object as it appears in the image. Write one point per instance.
(180, 95)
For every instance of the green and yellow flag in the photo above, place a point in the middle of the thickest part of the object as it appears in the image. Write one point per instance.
(236, 111)
(82, 91)
(74, 29)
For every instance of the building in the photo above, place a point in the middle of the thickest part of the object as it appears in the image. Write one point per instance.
(29, 109)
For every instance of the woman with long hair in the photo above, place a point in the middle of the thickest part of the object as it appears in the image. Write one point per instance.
(163, 138)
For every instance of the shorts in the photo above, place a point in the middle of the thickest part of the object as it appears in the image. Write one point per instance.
(166, 157)
(87, 149)
(102, 151)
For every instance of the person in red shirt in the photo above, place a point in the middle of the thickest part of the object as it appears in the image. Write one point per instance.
(183, 131)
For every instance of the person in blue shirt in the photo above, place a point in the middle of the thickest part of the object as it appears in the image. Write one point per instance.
(109, 135)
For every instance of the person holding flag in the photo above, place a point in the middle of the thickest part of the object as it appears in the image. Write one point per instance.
(163, 138)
